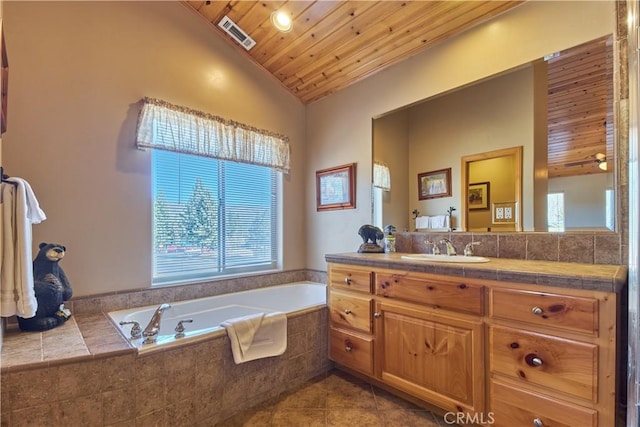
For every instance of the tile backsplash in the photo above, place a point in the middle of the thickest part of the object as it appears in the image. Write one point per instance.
(581, 247)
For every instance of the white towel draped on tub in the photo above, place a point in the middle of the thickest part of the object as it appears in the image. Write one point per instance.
(20, 209)
(257, 336)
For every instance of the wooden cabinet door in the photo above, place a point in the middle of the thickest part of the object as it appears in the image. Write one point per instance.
(433, 356)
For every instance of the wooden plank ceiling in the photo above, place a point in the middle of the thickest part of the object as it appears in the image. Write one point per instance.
(336, 43)
(580, 109)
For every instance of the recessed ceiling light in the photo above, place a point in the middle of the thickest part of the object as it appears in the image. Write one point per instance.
(281, 21)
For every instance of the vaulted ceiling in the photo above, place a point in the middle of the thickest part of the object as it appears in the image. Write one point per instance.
(336, 43)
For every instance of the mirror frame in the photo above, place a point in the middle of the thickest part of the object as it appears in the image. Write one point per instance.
(516, 152)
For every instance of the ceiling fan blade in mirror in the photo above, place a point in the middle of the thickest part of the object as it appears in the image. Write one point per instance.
(583, 162)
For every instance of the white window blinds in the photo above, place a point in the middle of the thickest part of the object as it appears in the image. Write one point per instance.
(169, 127)
(212, 217)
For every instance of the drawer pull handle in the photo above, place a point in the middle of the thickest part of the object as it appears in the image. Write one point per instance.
(347, 311)
(377, 314)
(537, 311)
(537, 422)
(348, 348)
(532, 359)
(347, 280)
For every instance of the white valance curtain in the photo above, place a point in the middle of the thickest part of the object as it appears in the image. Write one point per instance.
(165, 126)
(381, 176)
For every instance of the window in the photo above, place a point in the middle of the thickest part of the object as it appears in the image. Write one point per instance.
(555, 211)
(212, 217)
(609, 209)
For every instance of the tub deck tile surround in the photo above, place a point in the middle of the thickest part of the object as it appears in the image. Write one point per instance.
(196, 384)
(86, 373)
(81, 337)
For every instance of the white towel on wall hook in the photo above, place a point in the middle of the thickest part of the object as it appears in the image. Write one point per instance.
(20, 210)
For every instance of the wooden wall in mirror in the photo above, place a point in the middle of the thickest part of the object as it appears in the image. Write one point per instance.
(560, 109)
(4, 76)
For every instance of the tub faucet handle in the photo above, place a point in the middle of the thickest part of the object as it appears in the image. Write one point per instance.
(136, 330)
(180, 327)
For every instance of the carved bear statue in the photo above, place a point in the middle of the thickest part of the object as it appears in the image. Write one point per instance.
(51, 288)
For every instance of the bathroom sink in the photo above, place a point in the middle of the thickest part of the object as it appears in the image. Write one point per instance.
(445, 258)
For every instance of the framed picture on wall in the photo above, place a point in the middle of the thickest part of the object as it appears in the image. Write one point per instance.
(336, 188)
(478, 195)
(434, 184)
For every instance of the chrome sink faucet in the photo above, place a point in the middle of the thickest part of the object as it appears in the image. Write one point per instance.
(451, 250)
(150, 333)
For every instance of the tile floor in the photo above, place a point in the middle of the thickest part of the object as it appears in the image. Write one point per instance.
(336, 400)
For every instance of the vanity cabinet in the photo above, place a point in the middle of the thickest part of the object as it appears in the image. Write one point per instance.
(513, 353)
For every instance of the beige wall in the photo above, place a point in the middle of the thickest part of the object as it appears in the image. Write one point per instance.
(391, 146)
(492, 115)
(78, 71)
(339, 126)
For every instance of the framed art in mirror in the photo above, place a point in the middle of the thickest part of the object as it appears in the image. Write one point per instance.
(478, 195)
(434, 184)
(336, 188)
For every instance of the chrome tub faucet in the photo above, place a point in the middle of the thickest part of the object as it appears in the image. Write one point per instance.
(150, 333)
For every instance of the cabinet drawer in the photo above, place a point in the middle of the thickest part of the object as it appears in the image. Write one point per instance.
(347, 277)
(351, 311)
(436, 291)
(540, 308)
(351, 350)
(561, 364)
(512, 406)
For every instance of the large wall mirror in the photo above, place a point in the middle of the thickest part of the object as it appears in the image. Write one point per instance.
(559, 110)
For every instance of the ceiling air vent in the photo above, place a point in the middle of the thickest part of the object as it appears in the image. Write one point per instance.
(236, 33)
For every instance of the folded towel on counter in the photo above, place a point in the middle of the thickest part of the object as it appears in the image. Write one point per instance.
(439, 221)
(436, 222)
(257, 336)
(422, 222)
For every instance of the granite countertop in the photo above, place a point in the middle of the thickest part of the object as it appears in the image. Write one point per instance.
(596, 277)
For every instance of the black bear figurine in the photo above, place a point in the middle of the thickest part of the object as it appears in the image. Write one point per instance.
(370, 235)
(51, 288)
